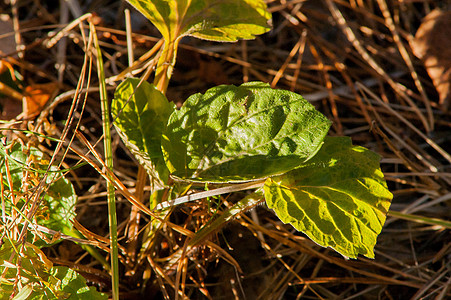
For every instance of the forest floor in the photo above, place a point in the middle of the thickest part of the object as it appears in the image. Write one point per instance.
(379, 70)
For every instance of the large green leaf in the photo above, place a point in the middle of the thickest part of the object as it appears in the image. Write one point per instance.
(26, 269)
(218, 20)
(242, 133)
(339, 198)
(140, 114)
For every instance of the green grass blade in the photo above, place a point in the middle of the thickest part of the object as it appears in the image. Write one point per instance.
(109, 162)
(420, 219)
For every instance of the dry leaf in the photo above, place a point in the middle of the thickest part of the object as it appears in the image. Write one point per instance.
(432, 44)
(36, 97)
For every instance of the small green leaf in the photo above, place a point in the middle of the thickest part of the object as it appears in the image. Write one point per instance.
(339, 198)
(36, 278)
(223, 20)
(60, 200)
(57, 209)
(140, 114)
(242, 133)
(72, 286)
(17, 158)
(30, 267)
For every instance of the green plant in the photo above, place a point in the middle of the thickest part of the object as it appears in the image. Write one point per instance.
(28, 274)
(247, 137)
(324, 186)
(38, 204)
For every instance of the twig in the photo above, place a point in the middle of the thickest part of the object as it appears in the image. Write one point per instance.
(219, 191)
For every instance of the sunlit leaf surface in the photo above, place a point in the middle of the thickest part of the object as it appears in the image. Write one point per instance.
(140, 113)
(218, 20)
(29, 274)
(57, 207)
(339, 198)
(242, 133)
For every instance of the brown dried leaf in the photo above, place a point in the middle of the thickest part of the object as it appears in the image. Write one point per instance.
(37, 96)
(432, 44)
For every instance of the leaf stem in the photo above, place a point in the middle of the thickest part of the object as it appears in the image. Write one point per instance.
(165, 65)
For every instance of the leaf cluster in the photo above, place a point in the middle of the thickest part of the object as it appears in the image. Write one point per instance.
(335, 193)
(26, 271)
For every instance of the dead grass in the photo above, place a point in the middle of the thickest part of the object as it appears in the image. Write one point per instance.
(352, 59)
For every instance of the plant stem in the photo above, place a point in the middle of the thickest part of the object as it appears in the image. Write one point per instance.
(109, 164)
(165, 65)
(163, 74)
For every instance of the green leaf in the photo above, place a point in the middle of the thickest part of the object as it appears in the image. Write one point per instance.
(37, 277)
(60, 200)
(140, 114)
(57, 209)
(217, 20)
(17, 158)
(241, 133)
(73, 286)
(339, 198)
(31, 271)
